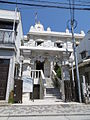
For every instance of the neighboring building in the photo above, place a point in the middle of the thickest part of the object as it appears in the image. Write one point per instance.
(83, 52)
(41, 50)
(10, 41)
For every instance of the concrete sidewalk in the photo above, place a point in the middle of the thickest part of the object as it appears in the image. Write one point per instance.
(46, 102)
(44, 110)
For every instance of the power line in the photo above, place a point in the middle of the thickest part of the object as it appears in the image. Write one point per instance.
(57, 3)
(48, 2)
(42, 5)
(84, 1)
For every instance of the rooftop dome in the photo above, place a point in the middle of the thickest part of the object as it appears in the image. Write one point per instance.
(67, 30)
(31, 28)
(48, 29)
(82, 32)
(39, 27)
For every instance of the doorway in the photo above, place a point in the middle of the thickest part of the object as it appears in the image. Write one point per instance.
(39, 65)
(18, 87)
(4, 68)
(36, 92)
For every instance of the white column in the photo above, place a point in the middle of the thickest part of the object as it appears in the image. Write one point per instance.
(20, 70)
(44, 90)
(51, 68)
(62, 85)
(47, 68)
(10, 83)
(72, 72)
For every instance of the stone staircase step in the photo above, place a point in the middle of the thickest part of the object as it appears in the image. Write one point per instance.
(52, 97)
(26, 96)
(49, 82)
(3, 102)
(51, 91)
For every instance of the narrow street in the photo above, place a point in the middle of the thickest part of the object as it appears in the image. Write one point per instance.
(79, 117)
(44, 59)
(64, 111)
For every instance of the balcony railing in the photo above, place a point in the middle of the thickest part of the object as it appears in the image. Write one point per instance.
(7, 36)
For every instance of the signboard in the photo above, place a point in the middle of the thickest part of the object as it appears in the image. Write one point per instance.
(27, 84)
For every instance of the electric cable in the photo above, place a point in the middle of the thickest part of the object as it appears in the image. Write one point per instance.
(43, 5)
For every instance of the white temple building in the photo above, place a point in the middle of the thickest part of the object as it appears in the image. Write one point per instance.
(41, 50)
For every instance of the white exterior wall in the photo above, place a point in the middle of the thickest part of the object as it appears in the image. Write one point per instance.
(13, 55)
(84, 46)
(19, 37)
(8, 15)
(50, 38)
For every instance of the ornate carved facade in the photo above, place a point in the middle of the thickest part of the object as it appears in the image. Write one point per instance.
(43, 49)
(47, 47)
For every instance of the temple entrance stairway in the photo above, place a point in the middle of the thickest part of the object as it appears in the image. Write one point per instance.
(52, 92)
(52, 96)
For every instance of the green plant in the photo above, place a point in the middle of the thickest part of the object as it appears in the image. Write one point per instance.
(59, 72)
(56, 67)
(11, 97)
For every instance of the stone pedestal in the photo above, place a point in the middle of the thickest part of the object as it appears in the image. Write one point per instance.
(65, 76)
(62, 90)
(47, 68)
(65, 72)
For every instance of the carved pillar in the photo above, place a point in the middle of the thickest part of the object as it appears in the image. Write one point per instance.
(62, 85)
(65, 76)
(47, 68)
(26, 68)
(65, 70)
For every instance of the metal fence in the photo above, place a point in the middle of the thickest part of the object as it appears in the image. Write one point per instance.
(7, 36)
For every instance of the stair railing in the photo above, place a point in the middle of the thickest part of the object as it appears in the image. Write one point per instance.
(39, 78)
(56, 80)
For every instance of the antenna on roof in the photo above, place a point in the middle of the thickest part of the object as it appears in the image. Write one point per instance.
(15, 17)
(36, 21)
(16, 4)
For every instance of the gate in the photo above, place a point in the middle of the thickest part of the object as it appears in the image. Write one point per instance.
(4, 68)
(88, 94)
(36, 92)
(18, 85)
(67, 89)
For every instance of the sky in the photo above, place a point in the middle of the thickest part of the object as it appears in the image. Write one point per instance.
(54, 18)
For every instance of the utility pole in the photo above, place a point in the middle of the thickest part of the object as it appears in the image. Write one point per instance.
(73, 24)
(76, 61)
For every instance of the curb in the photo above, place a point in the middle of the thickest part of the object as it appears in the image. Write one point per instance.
(34, 115)
(20, 105)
